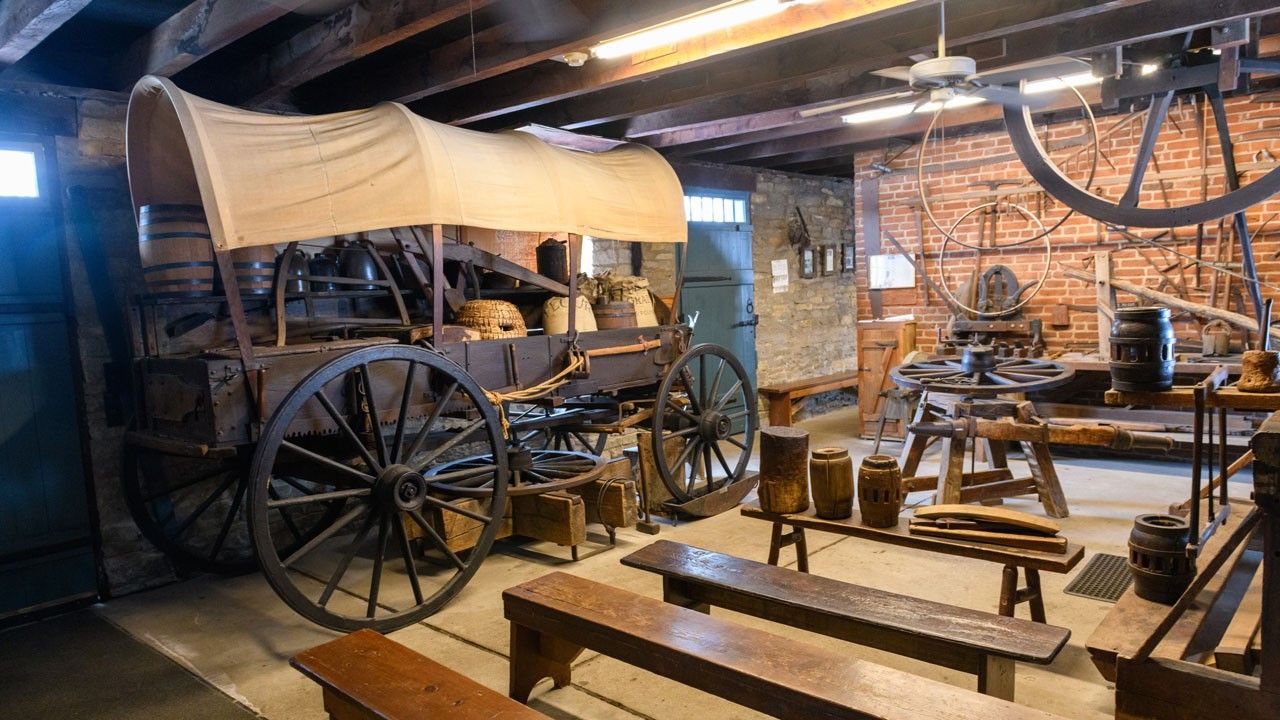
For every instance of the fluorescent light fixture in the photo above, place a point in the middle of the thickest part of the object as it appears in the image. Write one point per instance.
(718, 18)
(18, 174)
(1037, 87)
(1147, 69)
(888, 112)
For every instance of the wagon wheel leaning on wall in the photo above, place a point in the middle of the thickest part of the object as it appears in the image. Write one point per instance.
(1199, 73)
(707, 406)
(194, 509)
(366, 429)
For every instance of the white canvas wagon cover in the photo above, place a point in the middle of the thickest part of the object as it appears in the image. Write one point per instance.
(266, 179)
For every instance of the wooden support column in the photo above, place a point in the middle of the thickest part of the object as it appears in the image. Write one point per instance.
(437, 284)
(1106, 301)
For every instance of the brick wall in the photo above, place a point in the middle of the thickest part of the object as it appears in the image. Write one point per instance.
(957, 166)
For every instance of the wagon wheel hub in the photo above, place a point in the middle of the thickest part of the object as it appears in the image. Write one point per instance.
(978, 359)
(401, 488)
(715, 426)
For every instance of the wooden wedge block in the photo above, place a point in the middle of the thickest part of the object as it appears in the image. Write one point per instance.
(990, 514)
(557, 517)
(459, 532)
(611, 498)
(1028, 542)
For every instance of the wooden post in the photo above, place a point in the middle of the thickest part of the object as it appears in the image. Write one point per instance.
(1106, 301)
(437, 284)
(784, 470)
(574, 258)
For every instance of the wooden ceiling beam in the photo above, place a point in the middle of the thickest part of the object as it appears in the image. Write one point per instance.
(24, 24)
(346, 35)
(194, 32)
(553, 82)
(1110, 24)
(498, 50)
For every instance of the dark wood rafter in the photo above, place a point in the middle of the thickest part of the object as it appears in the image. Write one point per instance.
(24, 24)
(193, 33)
(351, 33)
(498, 50)
(1065, 33)
(541, 85)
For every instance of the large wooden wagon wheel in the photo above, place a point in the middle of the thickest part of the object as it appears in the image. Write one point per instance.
(531, 472)
(980, 373)
(367, 428)
(707, 401)
(193, 509)
(541, 428)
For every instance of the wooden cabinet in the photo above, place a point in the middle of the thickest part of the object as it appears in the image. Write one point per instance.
(881, 346)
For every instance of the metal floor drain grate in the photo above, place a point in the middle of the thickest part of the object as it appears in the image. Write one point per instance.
(1104, 577)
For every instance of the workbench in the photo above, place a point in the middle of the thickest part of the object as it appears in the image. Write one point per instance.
(1011, 595)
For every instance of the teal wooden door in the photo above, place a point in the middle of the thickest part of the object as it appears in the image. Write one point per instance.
(46, 548)
(719, 287)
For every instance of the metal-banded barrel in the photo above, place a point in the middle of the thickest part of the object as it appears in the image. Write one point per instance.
(1142, 343)
(176, 250)
(615, 315)
(255, 269)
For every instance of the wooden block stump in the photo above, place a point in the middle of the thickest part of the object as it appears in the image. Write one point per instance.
(784, 470)
(611, 498)
(557, 517)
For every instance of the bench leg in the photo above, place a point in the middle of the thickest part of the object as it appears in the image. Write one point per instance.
(1011, 595)
(678, 592)
(995, 677)
(535, 656)
(780, 410)
(778, 540)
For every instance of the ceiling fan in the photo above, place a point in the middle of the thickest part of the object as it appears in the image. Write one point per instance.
(953, 81)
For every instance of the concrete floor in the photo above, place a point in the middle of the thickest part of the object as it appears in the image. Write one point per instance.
(238, 635)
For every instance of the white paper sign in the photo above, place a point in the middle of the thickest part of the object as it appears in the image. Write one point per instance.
(890, 271)
(780, 283)
(779, 268)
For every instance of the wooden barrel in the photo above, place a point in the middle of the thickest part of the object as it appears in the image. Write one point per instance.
(176, 250)
(1142, 344)
(831, 483)
(255, 269)
(1158, 557)
(879, 491)
(612, 315)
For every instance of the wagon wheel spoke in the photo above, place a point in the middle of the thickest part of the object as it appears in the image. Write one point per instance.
(723, 462)
(406, 555)
(345, 561)
(736, 387)
(468, 473)
(440, 543)
(375, 427)
(324, 535)
(707, 474)
(202, 477)
(375, 582)
(403, 416)
(346, 430)
(288, 522)
(421, 438)
(319, 497)
(186, 524)
(229, 520)
(449, 444)
(446, 505)
(999, 379)
(737, 443)
(715, 381)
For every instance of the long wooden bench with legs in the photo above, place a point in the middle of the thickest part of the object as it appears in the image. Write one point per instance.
(972, 641)
(781, 396)
(554, 618)
(366, 676)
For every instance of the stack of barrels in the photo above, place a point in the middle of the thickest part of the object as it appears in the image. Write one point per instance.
(176, 248)
(787, 483)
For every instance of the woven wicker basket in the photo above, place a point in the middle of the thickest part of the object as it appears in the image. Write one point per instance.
(493, 319)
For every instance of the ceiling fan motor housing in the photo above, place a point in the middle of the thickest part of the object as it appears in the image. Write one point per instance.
(946, 70)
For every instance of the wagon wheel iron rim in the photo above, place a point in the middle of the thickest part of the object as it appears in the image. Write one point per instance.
(531, 472)
(394, 414)
(922, 188)
(980, 373)
(945, 286)
(529, 429)
(707, 400)
(194, 509)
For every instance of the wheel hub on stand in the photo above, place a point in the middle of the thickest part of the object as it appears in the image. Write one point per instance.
(715, 426)
(400, 487)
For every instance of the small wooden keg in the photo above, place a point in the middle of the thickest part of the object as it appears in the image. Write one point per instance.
(831, 482)
(255, 269)
(612, 315)
(879, 491)
(176, 249)
(784, 470)
(1158, 557)
(1142, 344)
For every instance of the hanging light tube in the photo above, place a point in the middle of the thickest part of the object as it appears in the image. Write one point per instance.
(717, 18)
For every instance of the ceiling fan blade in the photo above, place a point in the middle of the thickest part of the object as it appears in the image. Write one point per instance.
(1042, 69)
(1009, 96)
(857, 102)
(897, 72)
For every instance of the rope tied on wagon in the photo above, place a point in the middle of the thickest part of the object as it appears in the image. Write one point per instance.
(577, 361)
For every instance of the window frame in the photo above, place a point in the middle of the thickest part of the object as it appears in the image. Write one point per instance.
(700, 193)
(44, 184)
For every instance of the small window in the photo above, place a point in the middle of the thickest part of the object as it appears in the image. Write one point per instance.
(715, 209)
(18, 176)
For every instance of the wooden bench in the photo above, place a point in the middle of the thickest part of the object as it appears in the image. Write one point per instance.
(1030, 562)
(968, 640)
(554, 618)
(781, 396)
(366, 676)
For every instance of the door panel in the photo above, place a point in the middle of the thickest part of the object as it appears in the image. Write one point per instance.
(719, 287)
(46, 549)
